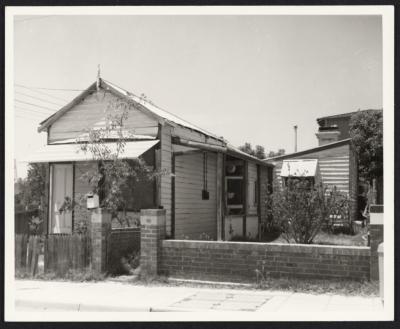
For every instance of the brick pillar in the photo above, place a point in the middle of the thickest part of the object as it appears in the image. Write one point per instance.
(152, 232)
(99, 231)
(376, 237)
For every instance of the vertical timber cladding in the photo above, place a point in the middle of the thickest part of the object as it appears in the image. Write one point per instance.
(195, 217)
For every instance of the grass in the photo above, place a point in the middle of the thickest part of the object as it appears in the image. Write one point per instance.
(337, 287)
(72, 275)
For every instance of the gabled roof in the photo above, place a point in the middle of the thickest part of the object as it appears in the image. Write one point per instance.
(149, 108)
(311, 150)
(144, 105)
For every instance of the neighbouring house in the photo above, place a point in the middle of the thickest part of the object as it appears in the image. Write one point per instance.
(333, 162)
(337, 127)
(211, 188)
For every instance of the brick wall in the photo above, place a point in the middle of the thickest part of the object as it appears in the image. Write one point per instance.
(121, 243)
(237, 262)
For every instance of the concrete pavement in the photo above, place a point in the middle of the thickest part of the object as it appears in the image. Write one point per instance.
(39, 296)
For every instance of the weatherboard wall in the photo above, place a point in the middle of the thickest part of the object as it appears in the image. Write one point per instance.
(337, 167)
(92, 111)
(334, 166)
(195, 218)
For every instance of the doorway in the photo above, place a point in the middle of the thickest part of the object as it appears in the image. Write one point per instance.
(61, 188)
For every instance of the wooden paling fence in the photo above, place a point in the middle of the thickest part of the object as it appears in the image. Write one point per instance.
(60, 253)
(67, 252)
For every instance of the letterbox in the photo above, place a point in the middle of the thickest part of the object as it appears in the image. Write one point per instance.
(92, 201)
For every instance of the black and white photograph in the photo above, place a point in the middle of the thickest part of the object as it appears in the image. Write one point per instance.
(199, 163)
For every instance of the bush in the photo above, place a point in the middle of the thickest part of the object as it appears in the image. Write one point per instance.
(300, 210)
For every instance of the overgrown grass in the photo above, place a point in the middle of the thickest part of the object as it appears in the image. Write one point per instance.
(338, 287)
(72, 275)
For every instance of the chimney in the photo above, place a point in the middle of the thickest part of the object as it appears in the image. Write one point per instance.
(327, 135)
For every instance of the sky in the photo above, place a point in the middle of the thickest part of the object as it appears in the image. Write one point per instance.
(246, 78)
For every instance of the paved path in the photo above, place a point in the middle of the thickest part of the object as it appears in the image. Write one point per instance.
(108, 296)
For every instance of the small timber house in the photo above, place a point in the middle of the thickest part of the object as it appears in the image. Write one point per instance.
(211, 188)
(333, 162)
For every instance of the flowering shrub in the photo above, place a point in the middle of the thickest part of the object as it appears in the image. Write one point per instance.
(300, 210)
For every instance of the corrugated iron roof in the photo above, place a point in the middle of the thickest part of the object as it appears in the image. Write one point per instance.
(160, 112)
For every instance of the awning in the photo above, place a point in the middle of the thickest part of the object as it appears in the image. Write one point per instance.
(72, 152)
(299, 168)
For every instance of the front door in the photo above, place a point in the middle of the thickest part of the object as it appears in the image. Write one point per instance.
(61, 187)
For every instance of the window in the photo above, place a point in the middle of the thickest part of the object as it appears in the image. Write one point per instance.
(303, 182)
(255, 193)
(234, 186)
(300, 170)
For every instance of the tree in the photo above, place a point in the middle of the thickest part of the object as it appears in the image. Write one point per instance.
(272, 154)
(32, 188)
(258, 151)
(300, 210)
(247, 149)
(116, 177)
(366, 132)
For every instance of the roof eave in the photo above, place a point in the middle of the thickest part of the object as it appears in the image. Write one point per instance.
(314, 149)
(248, 157)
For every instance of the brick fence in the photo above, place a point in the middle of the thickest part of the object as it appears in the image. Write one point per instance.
(121, 243)
(238, 261)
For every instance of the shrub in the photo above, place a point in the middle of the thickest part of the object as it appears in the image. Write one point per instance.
(300, 210)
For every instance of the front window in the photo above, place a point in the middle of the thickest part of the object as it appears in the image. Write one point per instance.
(234, 185)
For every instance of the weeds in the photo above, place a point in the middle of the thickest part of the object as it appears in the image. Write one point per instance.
(71, 275)
(357, 288)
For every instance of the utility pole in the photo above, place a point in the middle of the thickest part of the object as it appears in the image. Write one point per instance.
(295, 138)
(98, 77)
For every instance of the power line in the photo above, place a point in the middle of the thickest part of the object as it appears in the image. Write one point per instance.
(22, 111)
(45, 88)
(38, 98)
(43, 107)
(32, 111)
(27, 117)
(41, 92)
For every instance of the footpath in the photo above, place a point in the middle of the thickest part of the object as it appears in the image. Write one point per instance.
(109, 296)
